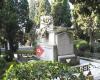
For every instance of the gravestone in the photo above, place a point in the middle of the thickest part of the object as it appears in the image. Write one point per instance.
(64, 44)
(54, 43)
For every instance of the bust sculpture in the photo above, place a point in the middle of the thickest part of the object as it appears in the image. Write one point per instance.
(46, 21)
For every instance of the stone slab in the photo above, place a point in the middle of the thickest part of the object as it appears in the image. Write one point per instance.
(64, 44)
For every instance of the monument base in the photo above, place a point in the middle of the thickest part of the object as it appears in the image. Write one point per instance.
(69, 59)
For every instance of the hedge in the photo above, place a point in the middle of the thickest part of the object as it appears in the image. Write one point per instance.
(25, 52)
(40, 70)
(81, 47)
(81, 44)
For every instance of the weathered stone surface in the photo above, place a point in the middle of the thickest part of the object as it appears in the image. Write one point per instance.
(50, 52)
(64, 44)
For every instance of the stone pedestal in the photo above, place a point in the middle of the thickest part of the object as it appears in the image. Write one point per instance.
(49, 52)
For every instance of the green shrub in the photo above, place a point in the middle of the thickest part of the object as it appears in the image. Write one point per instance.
(80, 47)
(2, 63)
(25, 52)
(2, 66)
(98, 47)
(8, 55)
(40, 71)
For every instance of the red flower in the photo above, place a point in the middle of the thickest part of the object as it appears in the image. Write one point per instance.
(39, 51)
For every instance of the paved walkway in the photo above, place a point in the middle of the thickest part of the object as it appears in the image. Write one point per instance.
(94, 67)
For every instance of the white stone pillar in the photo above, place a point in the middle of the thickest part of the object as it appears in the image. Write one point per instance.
(8, 46)
(52, 38)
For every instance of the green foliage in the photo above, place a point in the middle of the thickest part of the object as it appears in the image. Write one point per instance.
(86, 17)
(85, 1)
(2, 63)
(8, 18)
(22, 10)
(9, 24)
(2, 66)
(25, 52)
(81, 47)
(28, 26)
(1, 4)
(13, 17)
(97, 19)
(60, 11)
(42, 7)
(31, 9)
(11, 66)
(8, 56)
(98, 48)
(40, 71)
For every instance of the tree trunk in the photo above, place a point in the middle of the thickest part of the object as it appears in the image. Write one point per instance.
(5, 46)
(0, 50)
(91, 41)
(11, 54)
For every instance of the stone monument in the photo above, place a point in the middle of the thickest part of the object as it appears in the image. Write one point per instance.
(46, 49)
(55, 43)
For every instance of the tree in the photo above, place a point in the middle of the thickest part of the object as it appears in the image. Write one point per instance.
(13, 17)
(85, 12)
(86, 18)
(39, 8)
(1, 4)
(9, 26)
(60, 11)
(32, 9)
(24, 22)
(22, 9)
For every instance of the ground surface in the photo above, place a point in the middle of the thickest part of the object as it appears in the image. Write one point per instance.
(94, 68)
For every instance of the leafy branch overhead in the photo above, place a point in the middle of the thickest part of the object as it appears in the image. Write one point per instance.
(86, 15)
(60, 11)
